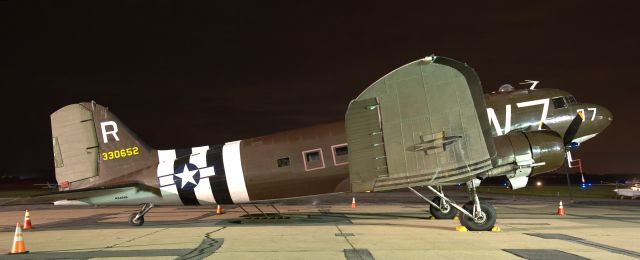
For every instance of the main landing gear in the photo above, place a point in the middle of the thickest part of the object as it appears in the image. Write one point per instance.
(137, 219)
(439, 208)
(474, 215)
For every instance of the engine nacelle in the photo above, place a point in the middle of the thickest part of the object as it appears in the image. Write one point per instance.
(533, 152)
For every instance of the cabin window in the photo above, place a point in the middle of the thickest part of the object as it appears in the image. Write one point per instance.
(559, 102)
(313, 159)
(340, 154)
(283, 162)
(313, 156)
(571, 100)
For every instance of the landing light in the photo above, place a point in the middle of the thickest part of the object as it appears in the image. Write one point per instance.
(539, 183)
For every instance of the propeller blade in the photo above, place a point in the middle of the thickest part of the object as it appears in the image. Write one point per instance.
(572, 130)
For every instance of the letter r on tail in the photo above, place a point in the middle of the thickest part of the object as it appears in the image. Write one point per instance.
(114, 126)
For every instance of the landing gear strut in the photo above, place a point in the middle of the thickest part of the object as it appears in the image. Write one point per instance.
(438, 207)
(137, 219)
(474, 215)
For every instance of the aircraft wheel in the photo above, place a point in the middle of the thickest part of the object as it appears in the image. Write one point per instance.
(448, 212)
(137, 222)
(485, 222)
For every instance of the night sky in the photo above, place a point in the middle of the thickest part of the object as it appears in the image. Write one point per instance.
(183, 75)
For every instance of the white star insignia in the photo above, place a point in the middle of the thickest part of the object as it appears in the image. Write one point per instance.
(187, 176)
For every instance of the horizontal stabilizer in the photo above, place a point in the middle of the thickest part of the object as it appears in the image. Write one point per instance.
(83, 194)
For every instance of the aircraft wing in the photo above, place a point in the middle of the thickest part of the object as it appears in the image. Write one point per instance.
(82, 194)
(422, 124)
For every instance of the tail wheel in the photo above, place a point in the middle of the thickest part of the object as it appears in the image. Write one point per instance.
(136, 222)
(447, 211)
(483, 222)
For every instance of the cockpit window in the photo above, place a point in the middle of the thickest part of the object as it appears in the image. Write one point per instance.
(571, 100)
(559, 102)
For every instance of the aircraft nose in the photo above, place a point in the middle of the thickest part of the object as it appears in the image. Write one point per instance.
(605, 117)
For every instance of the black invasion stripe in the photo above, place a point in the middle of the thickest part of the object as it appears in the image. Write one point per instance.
(218, 182)
(188, 197)
(440, 172)
(438, 177)
(180, 153)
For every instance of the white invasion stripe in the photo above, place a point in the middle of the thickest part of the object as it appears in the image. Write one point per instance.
(165, 170)
(166, 180)
(170, 195)
(207, 172)
(166, 155)
(234, 173)
(165, 165)
(203, 192)
(199, 156)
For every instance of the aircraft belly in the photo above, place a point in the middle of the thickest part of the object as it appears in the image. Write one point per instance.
(299, 187)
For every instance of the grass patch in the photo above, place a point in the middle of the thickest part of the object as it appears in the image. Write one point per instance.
(25, 192)
(595, 191)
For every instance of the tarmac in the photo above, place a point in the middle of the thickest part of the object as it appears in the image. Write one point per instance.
(391, 225)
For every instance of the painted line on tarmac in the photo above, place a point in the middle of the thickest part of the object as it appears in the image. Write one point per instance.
(585, 242)
(354, 253)
(135, 238)
(358, 254)
(207, 247)
(543, 254)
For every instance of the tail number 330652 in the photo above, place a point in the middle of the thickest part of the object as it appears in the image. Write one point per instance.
(122, 153)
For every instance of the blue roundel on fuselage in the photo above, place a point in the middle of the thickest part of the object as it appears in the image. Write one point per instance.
(186, 176)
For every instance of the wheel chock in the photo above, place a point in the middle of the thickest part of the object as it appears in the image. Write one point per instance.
(461, 229)
(456, 218)
(495, 229)
(432, 218)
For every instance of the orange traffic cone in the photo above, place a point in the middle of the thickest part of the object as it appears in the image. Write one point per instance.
(561, 209)
(353, 203)
(27, 221)
(18, 242)
(218, 210)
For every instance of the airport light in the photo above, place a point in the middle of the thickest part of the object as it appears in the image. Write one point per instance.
(539, 183)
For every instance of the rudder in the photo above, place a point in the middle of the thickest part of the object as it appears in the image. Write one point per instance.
(93, 147)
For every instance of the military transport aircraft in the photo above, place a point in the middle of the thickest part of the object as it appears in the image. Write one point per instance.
(426, 123)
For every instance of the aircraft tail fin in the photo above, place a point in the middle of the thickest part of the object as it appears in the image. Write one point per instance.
(91, 146)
